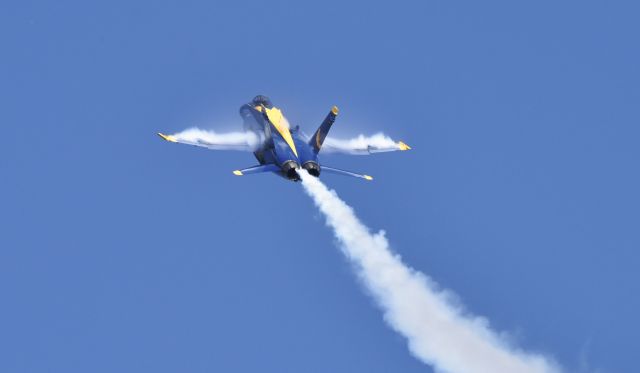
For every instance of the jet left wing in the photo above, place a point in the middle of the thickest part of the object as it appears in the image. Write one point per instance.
(245, 141)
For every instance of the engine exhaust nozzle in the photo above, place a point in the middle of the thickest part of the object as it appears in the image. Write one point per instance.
(313, 168)
(289, 169)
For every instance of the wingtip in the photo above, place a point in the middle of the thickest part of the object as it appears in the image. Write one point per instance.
(367, 177)
(237, 173)
(403, 146)
(167, 137)
(334, 110)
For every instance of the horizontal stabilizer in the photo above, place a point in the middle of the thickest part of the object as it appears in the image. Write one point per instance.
(257, 169)
(338, 171)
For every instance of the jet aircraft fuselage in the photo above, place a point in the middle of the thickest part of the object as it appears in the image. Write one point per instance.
(280, 144)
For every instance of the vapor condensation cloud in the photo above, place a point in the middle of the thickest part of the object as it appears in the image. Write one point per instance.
(378, 140)
(438, 331)
(215, 140)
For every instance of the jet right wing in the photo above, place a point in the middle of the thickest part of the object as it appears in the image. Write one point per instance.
(362, 145)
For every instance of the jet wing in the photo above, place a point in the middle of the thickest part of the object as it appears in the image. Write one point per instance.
(363, 145)
(244, 141)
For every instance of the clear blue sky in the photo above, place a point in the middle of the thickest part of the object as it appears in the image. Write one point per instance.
(122, 253)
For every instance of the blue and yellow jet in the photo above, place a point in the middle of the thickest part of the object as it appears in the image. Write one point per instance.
(281, 149)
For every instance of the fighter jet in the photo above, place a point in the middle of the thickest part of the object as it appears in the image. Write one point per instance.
(281, 149)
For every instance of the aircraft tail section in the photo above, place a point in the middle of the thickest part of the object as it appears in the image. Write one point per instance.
(318, 138)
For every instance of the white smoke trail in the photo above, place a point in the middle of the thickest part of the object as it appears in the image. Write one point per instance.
(439, 333)
(361, 143)
(214, 140)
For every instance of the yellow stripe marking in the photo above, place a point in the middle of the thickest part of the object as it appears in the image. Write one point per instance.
(237, 173)
(403, 146)
(277, 119)
(318, 145)
(167, 137)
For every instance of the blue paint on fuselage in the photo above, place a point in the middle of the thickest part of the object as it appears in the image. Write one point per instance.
(305, 152)
(282, 150)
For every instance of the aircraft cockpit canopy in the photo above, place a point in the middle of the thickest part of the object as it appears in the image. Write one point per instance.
(262, 100)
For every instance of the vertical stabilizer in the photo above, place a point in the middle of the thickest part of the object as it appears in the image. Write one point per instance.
(318, 138)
